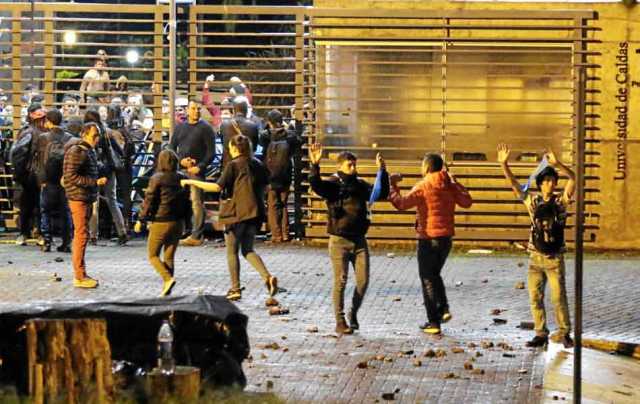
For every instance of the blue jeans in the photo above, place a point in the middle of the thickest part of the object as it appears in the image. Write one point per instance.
(53, 203)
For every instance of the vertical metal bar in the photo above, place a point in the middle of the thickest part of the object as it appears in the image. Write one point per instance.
(158, 70)
(580, 78)
(443, 78)
(16, 69)
(299, 105)
(32, 40)
(193, 51)
(48, 58)
(172, 67)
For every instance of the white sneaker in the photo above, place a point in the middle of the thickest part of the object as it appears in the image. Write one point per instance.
(21, 240)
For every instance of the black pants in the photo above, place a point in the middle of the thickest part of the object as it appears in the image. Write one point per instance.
(432, 254)
(29, 204)
(123, 189)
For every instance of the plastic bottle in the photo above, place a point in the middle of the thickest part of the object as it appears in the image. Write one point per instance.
(166, 363)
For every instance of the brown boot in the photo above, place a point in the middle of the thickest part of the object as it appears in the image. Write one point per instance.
(342, 327)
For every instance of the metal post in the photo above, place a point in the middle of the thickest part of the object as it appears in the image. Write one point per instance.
(579, 227)
(31, 61)
(172, 67)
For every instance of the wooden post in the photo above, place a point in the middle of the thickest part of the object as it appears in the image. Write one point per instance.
(158, 69)
(69, 360)
(49, 47)
(183, 384)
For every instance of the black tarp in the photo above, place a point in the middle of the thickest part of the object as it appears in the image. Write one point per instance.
(209, 332)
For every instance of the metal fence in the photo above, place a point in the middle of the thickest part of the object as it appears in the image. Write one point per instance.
(391, 81)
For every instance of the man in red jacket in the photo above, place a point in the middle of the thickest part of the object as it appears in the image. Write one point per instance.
(435, 197)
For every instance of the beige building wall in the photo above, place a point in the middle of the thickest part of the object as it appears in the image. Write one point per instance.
(615, 160)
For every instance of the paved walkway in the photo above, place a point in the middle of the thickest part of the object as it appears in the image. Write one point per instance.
(389, 356)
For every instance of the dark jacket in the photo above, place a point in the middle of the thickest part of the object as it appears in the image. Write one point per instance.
(196, 141)
(346, 197)
(260, 176)
(280, 177)
(164, 199)
(247, 127)
(80, 171)
(56, 134)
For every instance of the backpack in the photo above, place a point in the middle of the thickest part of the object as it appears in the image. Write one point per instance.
(21, 156)
(243, 204)
(54, 161)
(547, 229)
(278, 160)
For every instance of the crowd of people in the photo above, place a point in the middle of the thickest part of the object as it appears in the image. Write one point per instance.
(63, 165)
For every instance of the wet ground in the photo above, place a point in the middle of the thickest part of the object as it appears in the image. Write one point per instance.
(476, 360)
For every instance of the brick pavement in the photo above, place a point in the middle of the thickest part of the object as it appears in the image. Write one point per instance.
(310, 367)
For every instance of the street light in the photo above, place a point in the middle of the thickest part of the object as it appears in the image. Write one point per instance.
(132, 56)
(70, 38)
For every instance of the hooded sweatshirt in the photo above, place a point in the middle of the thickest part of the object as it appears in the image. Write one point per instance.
(435, 197)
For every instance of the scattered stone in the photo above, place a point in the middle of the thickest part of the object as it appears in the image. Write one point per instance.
(273, 345)
(56, 278)
(523, 371)
(468, 365)
(380, 358)
(526, 325)
(277, 310)
(9, 262)
(520, 264)
(505, 346)
(479, 354)
(457, 350)
(508, 355)
(388, 396)
(471, 345)
(397, 299)
(555, 397)
(429, 353)
(496, 312)
(58, 259)
(285, 349)
(391, 255)
(441, 353)
(450, 375)
(283, 337)
(499, 321)
(478, 371)
(388, 359)
(459, 283)
(520, 285)
(408, 352)
(363, 365)
(270, 302)
(312, 329)
(486, 344)
(263, 356)
(269, 384)
(359, 345)
(417, 363)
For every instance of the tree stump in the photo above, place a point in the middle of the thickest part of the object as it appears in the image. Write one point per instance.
(184, 385)
(69, 361)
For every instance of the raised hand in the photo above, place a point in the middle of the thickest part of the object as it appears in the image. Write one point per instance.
(315, 153)
(380, 162)
(395, 179)
(503, 153)
(551, 157)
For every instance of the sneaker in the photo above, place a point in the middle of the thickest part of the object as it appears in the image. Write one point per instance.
(63, 249)
(85, 283)
(168, 286)
(191, 242)
(272, 285)
(431, 328)
(343, 328)
(46, 247)
(122, 240)
(21, 240)
(93, 240)
(353, 320)
(234, 294)
(446, 316)
(538, 341)
(41, 241)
